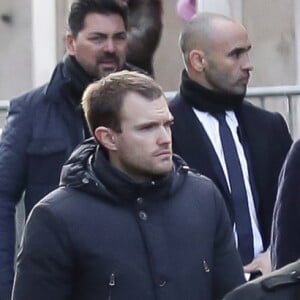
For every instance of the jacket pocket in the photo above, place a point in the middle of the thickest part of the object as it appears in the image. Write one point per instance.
(46, 146)
(45, 158)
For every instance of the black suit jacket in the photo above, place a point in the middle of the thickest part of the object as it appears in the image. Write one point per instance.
(266, 141)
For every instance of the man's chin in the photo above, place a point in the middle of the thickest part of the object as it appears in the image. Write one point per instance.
(239, 92)
(107, 71)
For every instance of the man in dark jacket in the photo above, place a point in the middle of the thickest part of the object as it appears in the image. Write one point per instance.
(128, 222)
(238, 145)
(44, 125)
(285, 244)
(283, 284)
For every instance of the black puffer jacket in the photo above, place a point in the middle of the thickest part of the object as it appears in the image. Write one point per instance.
(103, 236)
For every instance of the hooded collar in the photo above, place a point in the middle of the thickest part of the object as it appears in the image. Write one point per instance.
(89, 170)
(207, 100)
(123, 186)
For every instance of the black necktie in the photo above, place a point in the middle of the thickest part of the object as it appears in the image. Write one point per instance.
(239, 199)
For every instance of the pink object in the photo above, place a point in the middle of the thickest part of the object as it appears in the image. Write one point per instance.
(186, 8)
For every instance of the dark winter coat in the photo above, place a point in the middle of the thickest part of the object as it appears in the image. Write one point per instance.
(41, 130)
(103, 236)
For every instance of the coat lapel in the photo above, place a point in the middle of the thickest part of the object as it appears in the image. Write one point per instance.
(255, 147)
(192, 143)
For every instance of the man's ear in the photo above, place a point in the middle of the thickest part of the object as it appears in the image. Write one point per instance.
(106, 137)
(70, 44)
(197, 60)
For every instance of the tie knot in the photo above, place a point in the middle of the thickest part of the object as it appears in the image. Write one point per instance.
(219, 116)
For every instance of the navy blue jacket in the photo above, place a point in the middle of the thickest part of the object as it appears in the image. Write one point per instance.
(42, 128)
(103, 236)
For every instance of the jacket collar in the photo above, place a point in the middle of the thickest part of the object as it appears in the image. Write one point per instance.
(89, 170)
(207, 100)
(68, 81)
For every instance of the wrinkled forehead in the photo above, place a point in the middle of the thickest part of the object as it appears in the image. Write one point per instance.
(138, 108)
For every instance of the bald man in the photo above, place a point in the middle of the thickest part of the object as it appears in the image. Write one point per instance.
(239, 146)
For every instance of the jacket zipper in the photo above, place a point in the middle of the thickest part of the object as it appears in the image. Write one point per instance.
(111, 284)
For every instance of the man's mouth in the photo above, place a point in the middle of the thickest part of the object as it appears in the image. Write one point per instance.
(163, 153)
(244, 79)
(108, 62)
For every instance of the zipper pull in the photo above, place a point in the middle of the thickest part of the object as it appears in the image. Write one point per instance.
(205, 266)
(112, 281)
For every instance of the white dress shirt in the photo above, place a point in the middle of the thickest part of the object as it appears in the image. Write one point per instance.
(211, 126)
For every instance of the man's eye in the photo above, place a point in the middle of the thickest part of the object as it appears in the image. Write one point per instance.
(237, 53)
(120, 37)
(169, 124)
(147, 127)
(97, 39)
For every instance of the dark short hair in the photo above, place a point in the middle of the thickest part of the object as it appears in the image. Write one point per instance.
(102, 100)
(80, 8)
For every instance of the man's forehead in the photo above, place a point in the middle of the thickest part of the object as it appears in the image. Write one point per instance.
(104, 22)
(138, 106)
(230, 34)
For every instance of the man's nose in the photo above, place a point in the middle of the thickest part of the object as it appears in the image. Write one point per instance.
(110, 45)
(247, 65)
(165, 136)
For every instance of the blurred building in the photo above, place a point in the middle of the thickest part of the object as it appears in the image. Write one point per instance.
(32, 41)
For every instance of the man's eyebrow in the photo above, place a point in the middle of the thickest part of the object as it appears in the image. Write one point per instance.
(240, 49)
(99, 33)
(146, 124)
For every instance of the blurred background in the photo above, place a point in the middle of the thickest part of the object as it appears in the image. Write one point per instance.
(32, 42)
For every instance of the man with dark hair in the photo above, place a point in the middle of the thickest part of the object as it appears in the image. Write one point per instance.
(238, 145)
(44, 125)
(129, 220)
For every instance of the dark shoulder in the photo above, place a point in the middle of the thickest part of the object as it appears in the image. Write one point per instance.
(282, 284)
(63, 201)
(62, 194)
(291, 168)
(178, 107)
(200, 185)
(258, 112)
(174, 100)
(133, 68)
(49, 91)
(295, 149)
(30, 97)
